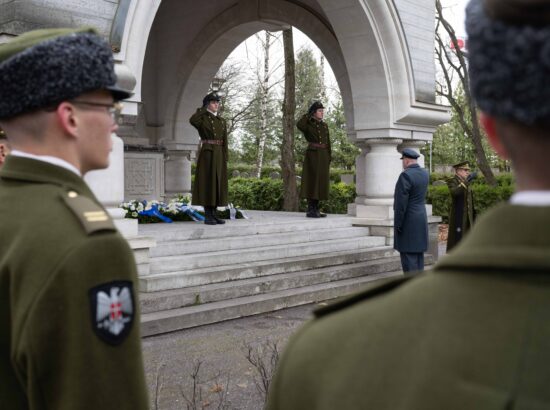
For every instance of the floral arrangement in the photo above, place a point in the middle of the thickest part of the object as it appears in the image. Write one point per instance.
(178, 208)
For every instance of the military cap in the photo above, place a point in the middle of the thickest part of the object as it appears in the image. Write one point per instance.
(42, 68)
(210, 97)
(463, 165)
(317, 105)
(509, 58)
(409, 153)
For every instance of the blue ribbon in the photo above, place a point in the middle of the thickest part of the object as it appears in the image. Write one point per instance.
(194, 215)
(154, 211)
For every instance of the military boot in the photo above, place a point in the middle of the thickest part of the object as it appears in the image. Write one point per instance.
(316, 209)
(218, 220)
(209, 216)
(311, 209)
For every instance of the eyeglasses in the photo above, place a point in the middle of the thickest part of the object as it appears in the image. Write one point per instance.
(114, 109)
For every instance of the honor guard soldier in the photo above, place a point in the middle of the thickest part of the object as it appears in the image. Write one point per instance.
(462, 212)
(69, 323)
(316, 168)
(210, 187)
(474, 333)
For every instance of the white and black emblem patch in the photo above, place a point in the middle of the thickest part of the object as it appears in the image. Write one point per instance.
(112, 311)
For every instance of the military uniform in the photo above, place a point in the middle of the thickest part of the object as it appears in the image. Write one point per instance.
(473, 334)
(316, 169)
(461, 214)
(68, 309)
(210, 187)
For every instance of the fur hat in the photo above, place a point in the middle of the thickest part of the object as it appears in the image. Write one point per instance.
(210, 97)
(317, 105)
(45, 67)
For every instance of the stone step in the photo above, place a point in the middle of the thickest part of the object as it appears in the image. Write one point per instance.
(258, 240)
(202, 276)
(173, 299)
(226, 258)
(180, 231)
(198, 315)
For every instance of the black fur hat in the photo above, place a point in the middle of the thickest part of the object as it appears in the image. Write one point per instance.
(210, 97)
(317, 105)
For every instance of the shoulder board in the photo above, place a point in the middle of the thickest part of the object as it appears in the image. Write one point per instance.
(92, 217)
(361, 296)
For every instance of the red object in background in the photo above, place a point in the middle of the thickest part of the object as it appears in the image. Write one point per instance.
(460, 42)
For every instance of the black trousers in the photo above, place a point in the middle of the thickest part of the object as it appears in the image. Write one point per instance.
(412, 261)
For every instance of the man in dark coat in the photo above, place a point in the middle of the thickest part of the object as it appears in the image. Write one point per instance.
(316, 168)
(210, 187)
(462, 213)
(410, 218)
(69, 321)
(474, 332)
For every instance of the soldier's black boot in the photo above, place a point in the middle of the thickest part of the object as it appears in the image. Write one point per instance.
(316, 209)
(218, 220)
(311, 209)
(209, 215)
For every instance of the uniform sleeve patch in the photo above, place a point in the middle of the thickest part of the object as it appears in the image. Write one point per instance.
(112, 308)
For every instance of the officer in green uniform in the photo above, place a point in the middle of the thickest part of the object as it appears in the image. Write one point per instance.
(316, 169)
(210, 187)
(462, 212)
(69, 325)
(475, 332)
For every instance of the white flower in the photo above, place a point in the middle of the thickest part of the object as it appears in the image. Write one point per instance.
(134, 215)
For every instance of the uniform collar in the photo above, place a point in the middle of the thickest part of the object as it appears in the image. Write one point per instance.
(47, 158)
(31, 170)
(508, 237)
(531, 198)
(215, 114)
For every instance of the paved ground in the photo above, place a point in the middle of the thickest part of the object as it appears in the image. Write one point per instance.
(171, 358)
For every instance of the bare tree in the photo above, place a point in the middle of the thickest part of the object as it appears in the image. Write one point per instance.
(459, 67)
(288, 163)
(264, 358)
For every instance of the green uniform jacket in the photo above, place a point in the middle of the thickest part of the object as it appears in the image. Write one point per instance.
(56, 245)
(461, 214)
(473, 334)
(316, 169)
(210, 187)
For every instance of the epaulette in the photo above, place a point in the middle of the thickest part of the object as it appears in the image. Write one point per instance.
(361, 296)
(92, 217)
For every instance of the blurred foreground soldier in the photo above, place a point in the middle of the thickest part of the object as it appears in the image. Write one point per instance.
(474, 333)
(4, 147)
(210, 188)
(409, 209)
(462, 213)
(69, 326)
(316, 169)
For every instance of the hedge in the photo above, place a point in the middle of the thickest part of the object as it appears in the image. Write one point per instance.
(267, 195)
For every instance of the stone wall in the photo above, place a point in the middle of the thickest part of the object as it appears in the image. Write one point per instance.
(18, 16)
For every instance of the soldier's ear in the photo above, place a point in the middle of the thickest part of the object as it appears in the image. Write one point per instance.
(67, 118)
(489, 124)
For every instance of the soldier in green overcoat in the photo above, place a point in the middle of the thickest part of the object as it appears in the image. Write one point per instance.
(316, 169)
(474, 332)
(69, 320)
(210, 187)
(462, 212)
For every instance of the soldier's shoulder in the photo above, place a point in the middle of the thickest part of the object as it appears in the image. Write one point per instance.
(373, 292)
(91, 216)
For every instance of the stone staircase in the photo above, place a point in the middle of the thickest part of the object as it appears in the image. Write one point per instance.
(205, 274)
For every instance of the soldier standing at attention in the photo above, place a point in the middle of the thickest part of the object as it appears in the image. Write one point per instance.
(462, 213)
(474, 333)
(409, 208)
(210, 187)
(316, 169)
(69, 325)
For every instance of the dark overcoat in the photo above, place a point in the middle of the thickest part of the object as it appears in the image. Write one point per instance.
(210, 186)
(409, 206)
(60, 256)
(461, 213)
(316, 169)
(472, 334)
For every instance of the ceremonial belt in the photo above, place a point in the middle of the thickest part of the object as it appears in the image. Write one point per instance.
(212, 142)
(317, 145)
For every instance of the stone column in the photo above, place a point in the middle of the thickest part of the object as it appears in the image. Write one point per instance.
(177, 169)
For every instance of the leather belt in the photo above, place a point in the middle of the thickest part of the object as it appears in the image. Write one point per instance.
(317, 145)
(212, 142)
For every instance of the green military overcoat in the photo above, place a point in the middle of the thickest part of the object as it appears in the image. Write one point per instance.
(472, 334)
(461, 213)
(210, 187)
(69, 325)
(316, 169)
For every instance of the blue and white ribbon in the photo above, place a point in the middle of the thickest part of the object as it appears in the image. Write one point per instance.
(154, 211)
